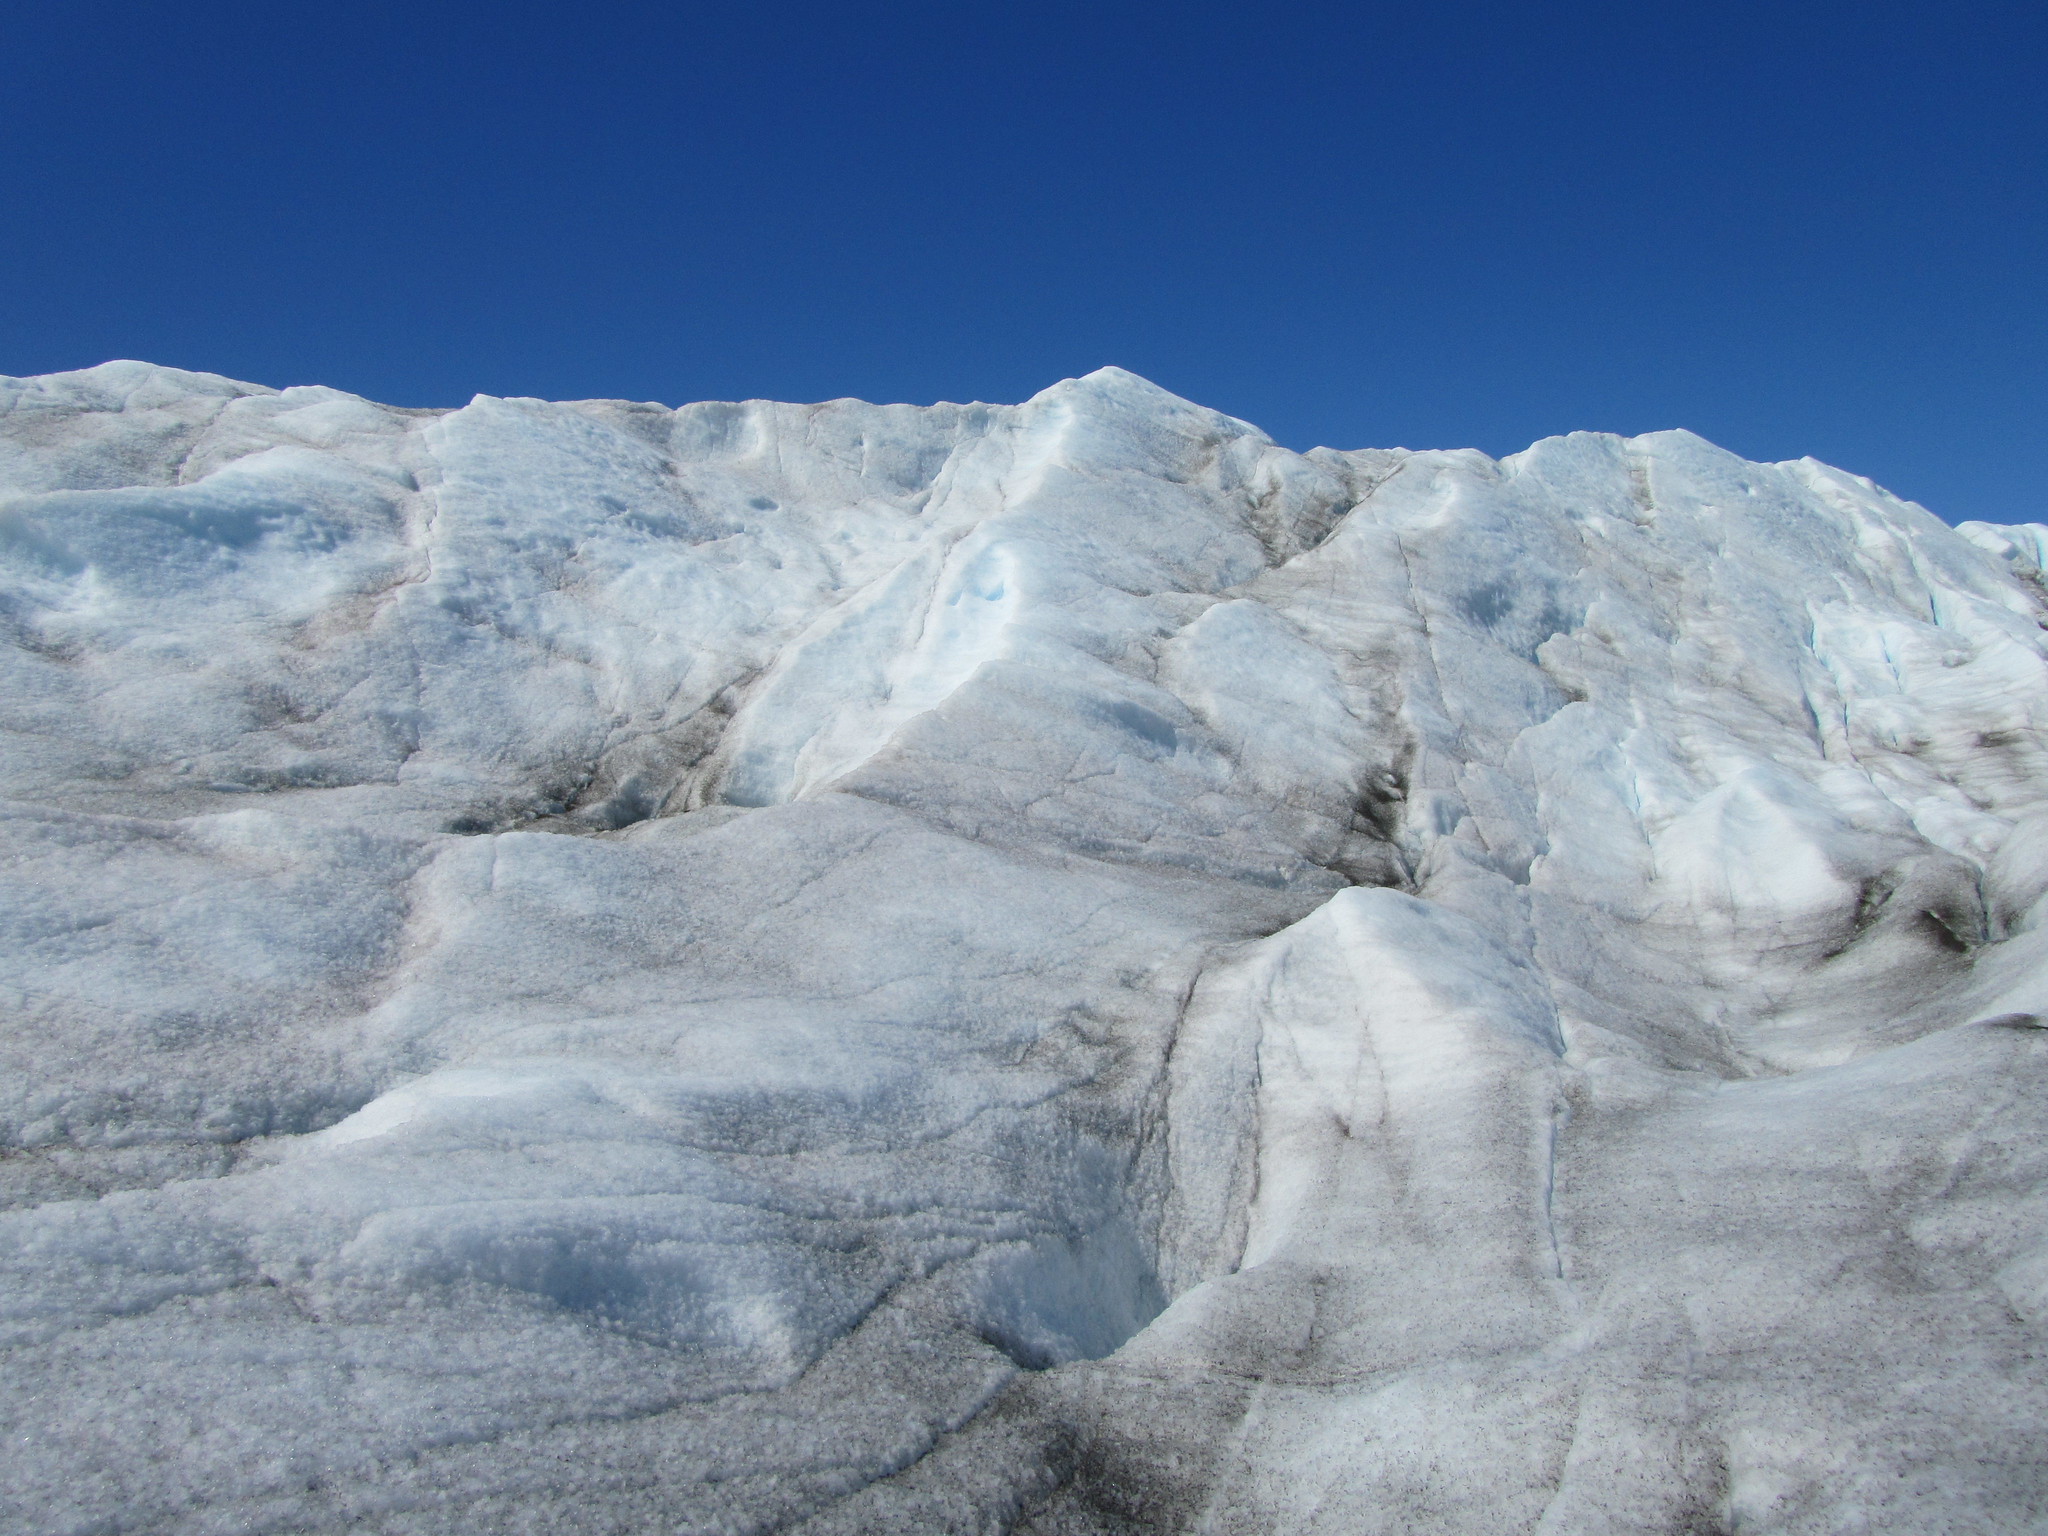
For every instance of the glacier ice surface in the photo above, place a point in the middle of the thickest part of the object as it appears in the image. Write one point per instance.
(1062, 968)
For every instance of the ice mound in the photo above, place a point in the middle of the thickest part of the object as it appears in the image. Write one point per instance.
(1057, 968)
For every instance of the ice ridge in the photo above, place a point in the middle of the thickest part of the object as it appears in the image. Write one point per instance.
(1057, 968)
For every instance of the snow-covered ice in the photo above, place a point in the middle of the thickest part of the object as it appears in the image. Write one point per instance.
(1058, 968)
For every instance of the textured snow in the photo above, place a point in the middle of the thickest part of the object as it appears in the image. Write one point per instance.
(1062, 967)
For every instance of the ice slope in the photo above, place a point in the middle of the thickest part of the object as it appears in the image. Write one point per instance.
(1056, 967)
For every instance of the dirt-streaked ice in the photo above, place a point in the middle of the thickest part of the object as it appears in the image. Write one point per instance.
(1060, 967)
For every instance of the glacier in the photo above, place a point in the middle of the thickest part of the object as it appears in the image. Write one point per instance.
(1056, 968)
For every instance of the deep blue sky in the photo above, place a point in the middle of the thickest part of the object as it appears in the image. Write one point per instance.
(1795, 228)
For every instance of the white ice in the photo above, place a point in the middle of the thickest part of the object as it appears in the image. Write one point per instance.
(1060, 968)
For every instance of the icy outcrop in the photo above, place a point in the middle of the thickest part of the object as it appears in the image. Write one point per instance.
(1054, 967)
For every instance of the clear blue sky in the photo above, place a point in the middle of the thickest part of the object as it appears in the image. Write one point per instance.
(1795, 228)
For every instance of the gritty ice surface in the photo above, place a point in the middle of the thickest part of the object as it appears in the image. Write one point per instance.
(1056, 968)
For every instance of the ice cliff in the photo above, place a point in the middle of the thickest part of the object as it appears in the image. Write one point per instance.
(1054, 968)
